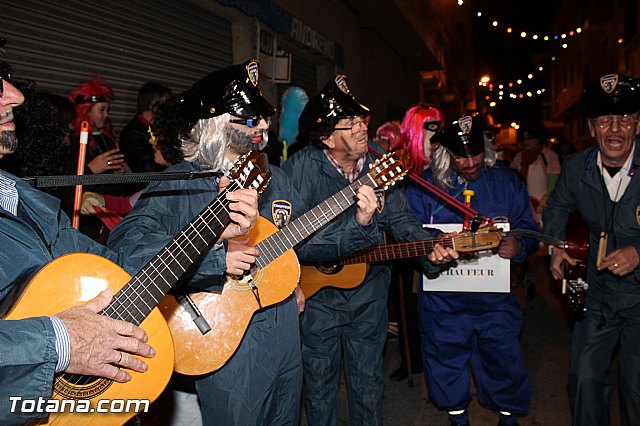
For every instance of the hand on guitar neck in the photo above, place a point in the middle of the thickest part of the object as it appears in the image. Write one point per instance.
(558, 256)
(101, 345)
(367, 203)
(442, 254)
(243, 210)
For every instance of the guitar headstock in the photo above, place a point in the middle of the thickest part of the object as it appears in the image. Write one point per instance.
(252, 171)
(484, 238)
(390, 168)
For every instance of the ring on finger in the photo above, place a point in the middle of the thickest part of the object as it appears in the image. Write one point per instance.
(120, 360)
(108, 163)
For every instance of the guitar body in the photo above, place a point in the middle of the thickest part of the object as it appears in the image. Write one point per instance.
(229, 313)
(346, 277)
(74, 279)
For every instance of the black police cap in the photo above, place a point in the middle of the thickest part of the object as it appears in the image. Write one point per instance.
(232, 90)
(334, 100)
(463, 137)
(612, 94)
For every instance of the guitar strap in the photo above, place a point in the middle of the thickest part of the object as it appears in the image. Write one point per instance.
(112, 179)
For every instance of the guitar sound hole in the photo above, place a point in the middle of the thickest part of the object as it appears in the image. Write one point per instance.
(80, 387)
(329, 269)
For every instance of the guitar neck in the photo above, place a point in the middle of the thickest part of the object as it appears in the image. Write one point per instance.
(273, 247)
(143, 292)
(394, 251)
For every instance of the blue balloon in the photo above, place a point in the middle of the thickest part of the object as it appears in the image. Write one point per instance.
(293, 101)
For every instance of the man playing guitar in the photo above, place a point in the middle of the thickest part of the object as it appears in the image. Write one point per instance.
(601, 184)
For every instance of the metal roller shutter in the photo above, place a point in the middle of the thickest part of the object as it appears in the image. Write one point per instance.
(63, 44)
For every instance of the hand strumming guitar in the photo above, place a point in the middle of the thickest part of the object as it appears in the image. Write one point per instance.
(240, 257)
(100, 345)
(509, 247)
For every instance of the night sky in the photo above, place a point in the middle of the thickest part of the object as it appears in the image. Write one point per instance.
(508, 57)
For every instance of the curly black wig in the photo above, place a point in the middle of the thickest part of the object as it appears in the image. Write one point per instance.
(41, 150)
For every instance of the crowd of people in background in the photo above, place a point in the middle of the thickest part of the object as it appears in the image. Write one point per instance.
(294, 351)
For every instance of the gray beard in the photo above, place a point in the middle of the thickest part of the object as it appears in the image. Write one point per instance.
(8, 141)
(240, 142)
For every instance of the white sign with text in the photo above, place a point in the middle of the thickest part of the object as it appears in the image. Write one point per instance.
(483, 271)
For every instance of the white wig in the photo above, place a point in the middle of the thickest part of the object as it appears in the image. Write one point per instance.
(206, 142)
(442, 168)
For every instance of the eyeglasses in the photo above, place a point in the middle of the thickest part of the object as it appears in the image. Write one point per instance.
(606, 121)
(5, 74)
(355, 126)
(250, 121)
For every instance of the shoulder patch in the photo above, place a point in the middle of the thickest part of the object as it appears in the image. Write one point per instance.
(281, 213)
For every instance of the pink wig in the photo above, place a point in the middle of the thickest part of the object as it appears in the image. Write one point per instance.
(412, 129)
(390, 131)
(85, 97)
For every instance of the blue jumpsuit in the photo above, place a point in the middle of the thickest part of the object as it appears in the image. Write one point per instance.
(261, 383)
(481, 328)
(39, 234)
(353, 322)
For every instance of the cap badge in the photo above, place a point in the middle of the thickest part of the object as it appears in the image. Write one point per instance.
(609, 82)
(341, 82)
(252, 71)
(465, 124)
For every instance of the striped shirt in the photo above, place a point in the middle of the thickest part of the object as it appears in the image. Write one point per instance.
(8, 195)
(9, 202)
(350, 176)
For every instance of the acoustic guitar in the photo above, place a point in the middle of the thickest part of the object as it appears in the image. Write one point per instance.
(350, 271)
(75, 278)
(208, 327)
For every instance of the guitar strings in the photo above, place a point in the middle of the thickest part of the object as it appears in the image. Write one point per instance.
(157, 268)
(305, 225)
(140, 284)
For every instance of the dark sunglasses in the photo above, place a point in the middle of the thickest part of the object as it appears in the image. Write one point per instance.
(5, 74)
(249, 122)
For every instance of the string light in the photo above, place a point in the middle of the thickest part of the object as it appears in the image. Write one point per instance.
(523, 34)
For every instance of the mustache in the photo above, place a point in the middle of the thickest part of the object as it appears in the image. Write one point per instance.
(6, 115)
(8, 141)
(240, 142)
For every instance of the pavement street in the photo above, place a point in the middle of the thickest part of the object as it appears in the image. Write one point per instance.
(545, 343)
